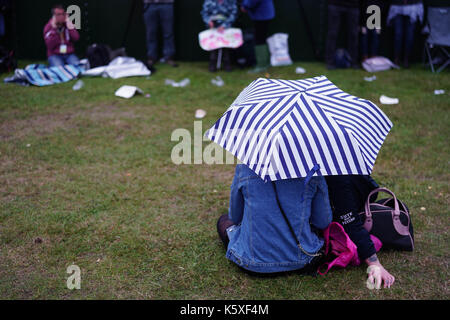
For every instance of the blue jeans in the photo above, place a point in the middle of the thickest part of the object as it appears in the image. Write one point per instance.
(403, 34)
(2, 25)
(155, 16)
(62, 59)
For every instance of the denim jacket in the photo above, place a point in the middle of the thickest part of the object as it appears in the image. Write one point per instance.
(260, 240)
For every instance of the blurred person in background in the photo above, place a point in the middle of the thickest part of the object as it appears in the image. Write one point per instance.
(370, 38)
(219, 14)
(60, 36)
(337, 11)
(159, 14)
(261, 12)
(404, 16)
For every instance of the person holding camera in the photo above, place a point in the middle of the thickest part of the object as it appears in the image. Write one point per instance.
(60, 36)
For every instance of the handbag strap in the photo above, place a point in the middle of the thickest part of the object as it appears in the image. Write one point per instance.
(291, 229)
(399, 227)
(386, 190)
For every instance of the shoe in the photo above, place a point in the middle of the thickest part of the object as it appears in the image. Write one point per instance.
(212, 68)
(172, 63)
(150, 64)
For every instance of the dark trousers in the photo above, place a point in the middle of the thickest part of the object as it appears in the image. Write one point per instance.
(156, 16)
(403, 36)
(225, 60)
(370, 42)
(261, 31)
(335, 16)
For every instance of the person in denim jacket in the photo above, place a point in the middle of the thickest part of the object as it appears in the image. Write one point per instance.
(259, 237)
(219, 14)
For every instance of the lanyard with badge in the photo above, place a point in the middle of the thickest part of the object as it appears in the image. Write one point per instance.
(62, 46)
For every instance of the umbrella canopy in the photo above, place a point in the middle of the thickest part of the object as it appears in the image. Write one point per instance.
(287, 129)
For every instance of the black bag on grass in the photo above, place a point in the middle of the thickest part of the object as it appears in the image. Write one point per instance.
(98, 55)
(7, 61)
(389, 220)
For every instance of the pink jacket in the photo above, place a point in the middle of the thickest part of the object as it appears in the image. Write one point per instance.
(341, 248)
(53, 39)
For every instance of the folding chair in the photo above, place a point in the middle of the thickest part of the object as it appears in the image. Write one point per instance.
(438, 23)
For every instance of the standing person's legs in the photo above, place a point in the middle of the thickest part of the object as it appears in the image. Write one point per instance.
(397, 22)
(261, 48)
(365, 34)
(334, 20)
(226, 59)
(55, 61)
(261, 31)
(374, 42)
(352, 16)
(166, 16)
(213, 60)
(151, 19)
(409, 40)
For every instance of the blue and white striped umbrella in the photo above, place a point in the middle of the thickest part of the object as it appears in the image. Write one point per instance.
(286, 129)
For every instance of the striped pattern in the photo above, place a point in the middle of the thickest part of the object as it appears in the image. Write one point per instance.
(281, 129)
(40, 75)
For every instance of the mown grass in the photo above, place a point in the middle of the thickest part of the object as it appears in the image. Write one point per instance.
(91, 175)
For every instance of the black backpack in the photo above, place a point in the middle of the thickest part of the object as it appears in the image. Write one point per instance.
(7, 61)
(98, 55)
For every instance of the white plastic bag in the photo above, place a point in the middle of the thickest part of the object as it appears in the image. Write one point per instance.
(128, 91)
(279, 50)
(376, 64)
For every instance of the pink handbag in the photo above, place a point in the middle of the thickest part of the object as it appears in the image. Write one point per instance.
(339, 245)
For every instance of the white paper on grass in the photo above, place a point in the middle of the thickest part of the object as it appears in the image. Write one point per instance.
(127, 92)
(387, 100)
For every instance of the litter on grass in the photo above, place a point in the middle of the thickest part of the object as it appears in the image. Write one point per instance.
(370, 79)
(217, 81)
(78, 85)
(182, 83)
(300, 70)
(128, 92)
(200, 113)
(387, 100)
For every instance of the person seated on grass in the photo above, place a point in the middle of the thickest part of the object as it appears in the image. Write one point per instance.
(256, 234)
(59, 36)
(348, 195)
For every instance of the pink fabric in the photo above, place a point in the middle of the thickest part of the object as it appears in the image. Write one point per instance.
(53, 40)
(338, 243)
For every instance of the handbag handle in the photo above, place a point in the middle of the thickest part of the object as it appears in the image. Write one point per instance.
(399, 227)
(368, 223)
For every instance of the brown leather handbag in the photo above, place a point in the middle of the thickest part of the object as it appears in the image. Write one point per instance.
(389, 220)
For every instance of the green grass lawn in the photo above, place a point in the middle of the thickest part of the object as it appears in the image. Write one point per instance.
(91, 176)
